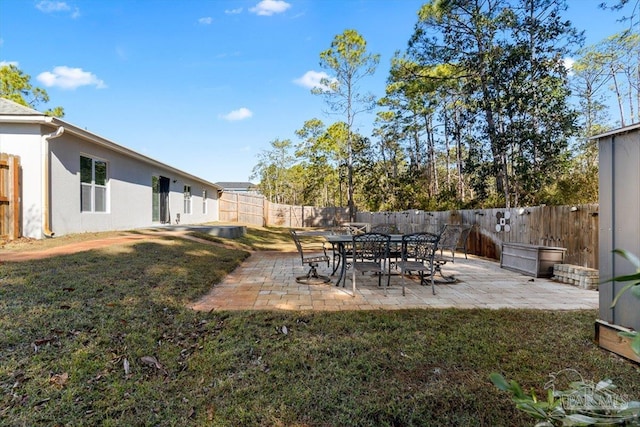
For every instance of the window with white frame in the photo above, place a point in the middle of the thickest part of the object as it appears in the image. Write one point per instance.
(204, 202)
(93, 185)
(187, 199)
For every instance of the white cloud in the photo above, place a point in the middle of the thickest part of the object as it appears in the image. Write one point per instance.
(9, 63)
(69, 78)
(49, 6)
(227, 55)
(239, 114)
(568, 65)
(270, 7)
(312, 79)
(233, 11)
(205, 21)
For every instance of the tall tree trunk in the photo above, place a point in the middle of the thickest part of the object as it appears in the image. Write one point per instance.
(637, 85)
(630, 97)
(458, 138)
(432, 158)
(447, 149)
(618, 96)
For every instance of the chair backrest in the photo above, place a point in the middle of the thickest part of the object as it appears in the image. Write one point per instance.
(464, 236)
(385, 229)
(296, 240)
(370, 247)
(466, 229)
(356, 227)
(419, 246)
(342, 230)
(449, 238)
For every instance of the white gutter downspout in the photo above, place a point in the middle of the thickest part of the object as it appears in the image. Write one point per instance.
(46, 171)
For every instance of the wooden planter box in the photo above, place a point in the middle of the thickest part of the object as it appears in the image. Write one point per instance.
(607, 337)
(532, 260)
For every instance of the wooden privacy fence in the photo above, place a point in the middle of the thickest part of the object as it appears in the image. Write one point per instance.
(256, 210)
(9, 197)
(305, 216)
(575, 228)
(243, 208)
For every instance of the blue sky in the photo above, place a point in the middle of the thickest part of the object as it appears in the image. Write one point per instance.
(206, 85)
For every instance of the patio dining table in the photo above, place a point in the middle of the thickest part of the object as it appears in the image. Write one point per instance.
(340, 243)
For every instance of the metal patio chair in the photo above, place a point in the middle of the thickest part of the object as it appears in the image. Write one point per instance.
(370, 252)
(340, 230)
(464, 238)
(385, 228)
(418, 253)
(389, 228)
(312, 261)
(446, 250)
(357, 227)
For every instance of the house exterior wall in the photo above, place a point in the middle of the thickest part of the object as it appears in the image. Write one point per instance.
(129, 186)
(25, 140)
(129, 191)
(619, 191)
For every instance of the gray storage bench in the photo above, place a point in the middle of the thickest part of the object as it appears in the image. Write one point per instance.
(532, 260)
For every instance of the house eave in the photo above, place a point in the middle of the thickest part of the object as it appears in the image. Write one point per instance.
(54, 123)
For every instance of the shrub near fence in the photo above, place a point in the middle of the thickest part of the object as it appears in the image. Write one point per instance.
(575, 228)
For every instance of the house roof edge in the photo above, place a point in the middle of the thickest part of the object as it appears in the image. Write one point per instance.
(54, 122)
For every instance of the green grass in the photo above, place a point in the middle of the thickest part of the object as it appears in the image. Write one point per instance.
(81, 316)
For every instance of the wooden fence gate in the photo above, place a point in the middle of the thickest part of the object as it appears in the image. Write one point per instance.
(9, 197)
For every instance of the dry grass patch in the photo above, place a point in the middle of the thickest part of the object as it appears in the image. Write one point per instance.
(24, 244)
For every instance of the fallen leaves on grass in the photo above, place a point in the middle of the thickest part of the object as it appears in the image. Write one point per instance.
(40, 342)
(152, 361)
(59, 380)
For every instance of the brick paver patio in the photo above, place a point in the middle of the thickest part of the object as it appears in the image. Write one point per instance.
(266, 280)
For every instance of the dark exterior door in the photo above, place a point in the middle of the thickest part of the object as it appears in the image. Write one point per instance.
(165, 215)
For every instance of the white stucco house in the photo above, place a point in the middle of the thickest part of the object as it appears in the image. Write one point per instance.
(74, 181)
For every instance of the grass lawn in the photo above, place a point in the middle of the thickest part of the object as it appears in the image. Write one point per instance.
(104, 338)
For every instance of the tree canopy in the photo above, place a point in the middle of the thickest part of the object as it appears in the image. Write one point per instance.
(349, 60)
(16, 86)
(481, 110)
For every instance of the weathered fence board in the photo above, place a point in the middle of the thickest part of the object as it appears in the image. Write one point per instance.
(572, 227)
(305, 216)
(256, 210)
(243, 208)
(9, 197)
